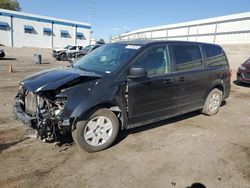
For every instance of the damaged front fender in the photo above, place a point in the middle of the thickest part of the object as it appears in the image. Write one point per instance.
(83, 98)
(40, 101)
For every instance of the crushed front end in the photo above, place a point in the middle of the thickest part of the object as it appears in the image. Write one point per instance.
(41, 111)
(48, 101)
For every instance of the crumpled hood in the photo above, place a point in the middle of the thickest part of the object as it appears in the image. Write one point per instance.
(52, 79)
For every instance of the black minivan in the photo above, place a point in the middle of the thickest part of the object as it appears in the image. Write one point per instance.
(123, 85)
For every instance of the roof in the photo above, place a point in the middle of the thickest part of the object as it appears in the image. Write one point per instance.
(149, 41)
(138, 42)
(46, 19)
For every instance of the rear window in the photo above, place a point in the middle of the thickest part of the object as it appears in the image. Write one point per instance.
(215, 55)
(212, 51)
(187, 57)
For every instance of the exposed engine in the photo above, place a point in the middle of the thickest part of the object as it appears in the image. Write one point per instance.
(45, 109)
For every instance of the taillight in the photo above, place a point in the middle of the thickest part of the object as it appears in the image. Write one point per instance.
(230, 73)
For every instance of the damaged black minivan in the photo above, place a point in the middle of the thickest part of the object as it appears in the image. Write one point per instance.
(123, 85)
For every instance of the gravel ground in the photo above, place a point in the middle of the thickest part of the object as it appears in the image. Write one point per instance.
(178, 152)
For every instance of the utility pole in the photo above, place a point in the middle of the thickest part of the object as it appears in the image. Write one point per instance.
(90, 17)
(89, 11)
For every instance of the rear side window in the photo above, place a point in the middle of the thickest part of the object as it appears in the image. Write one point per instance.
(187, 57)
(215, 56)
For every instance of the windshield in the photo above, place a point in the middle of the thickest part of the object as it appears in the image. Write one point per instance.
(67, 47)
(106, 58)
(87, 48)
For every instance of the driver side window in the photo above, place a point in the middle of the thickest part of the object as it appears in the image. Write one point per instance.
(155, 60)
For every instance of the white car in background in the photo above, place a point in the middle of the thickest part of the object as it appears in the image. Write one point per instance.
(62, 53)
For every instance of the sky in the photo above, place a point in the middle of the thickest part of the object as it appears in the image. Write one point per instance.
(114, 17)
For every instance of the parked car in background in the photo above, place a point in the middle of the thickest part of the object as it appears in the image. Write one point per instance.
(58, 52)
(243, 74)
(74, 56)
(62, 53)
(124, 85)
(2, 54)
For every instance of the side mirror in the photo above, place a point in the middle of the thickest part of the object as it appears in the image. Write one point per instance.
(137, 73)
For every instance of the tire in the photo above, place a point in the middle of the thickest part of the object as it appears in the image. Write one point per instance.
(238, 82)
(64, 57)
(58, 59)
(103, 135)
(213, 102)
(3, 55)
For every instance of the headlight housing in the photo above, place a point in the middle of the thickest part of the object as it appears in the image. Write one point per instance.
(60, 102)
(242, 67)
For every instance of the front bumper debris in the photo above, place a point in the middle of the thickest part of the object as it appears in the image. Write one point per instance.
(21, 115)
(56, 55)
(41, 115)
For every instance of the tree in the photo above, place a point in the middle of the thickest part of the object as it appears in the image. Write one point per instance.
(10, 5)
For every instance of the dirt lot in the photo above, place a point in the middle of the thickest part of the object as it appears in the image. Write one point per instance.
(193, 148)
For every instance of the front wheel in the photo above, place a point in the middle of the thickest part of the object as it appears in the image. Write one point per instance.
(213, 102)
(64, 57)
(2, 55)
(98, 132)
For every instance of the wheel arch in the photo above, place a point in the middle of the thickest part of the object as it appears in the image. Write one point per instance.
(217, 84)
(62, 52)
(115, 108)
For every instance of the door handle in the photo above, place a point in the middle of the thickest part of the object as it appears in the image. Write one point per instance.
(167, 81)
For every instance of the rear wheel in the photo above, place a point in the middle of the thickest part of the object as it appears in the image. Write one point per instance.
(98, 132)
(213, 102)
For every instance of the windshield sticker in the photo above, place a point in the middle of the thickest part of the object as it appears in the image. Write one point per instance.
(135, 47)
(103, 58)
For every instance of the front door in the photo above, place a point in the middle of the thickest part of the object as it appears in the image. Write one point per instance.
(151, 97)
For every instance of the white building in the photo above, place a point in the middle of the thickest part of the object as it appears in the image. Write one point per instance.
(19, 29)
(231, 29)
